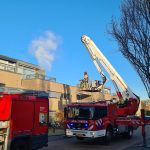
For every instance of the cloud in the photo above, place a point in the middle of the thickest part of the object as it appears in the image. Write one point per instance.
(44, 49)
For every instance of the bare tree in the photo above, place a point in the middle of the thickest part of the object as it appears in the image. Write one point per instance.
(132, 33)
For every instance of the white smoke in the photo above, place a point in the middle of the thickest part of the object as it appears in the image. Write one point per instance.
(44, 48)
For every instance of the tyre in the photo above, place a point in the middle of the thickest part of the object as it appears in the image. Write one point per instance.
(129, 133)
(80, 138)
(108, 135)
(20, 145)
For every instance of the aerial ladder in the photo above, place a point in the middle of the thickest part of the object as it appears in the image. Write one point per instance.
(128, 101)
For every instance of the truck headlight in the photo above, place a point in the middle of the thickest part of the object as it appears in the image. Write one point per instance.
(92, 133)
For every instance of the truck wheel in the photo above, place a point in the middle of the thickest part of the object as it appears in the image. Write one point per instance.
(129, 133)
(20, 145)
(108, 135)
(80, 138)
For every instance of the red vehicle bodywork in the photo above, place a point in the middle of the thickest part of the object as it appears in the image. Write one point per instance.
(26, 119)
(111, 121)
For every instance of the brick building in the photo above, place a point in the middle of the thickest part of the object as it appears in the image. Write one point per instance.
(22, 75)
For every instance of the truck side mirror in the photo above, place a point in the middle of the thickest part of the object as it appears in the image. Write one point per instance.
(65, 112)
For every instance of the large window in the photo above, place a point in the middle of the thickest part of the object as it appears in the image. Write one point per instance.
(6, 65)
(25, 71)
(86, 112)
(80, 112)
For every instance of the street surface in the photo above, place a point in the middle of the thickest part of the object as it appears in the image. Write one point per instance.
(119, 143)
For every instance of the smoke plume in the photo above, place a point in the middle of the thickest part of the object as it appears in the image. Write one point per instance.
(44, 49)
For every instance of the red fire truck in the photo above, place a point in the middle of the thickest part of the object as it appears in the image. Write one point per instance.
(23, 119)
(104, 118)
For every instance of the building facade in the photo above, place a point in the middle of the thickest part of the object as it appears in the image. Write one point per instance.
(22, 75)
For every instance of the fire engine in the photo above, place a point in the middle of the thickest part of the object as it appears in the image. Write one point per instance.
(104, 118)
(23, 119)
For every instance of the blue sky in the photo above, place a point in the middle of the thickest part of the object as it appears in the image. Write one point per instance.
(48, 33)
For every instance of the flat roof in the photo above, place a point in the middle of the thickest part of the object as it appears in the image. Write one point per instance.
(8, 58)
(20, 62)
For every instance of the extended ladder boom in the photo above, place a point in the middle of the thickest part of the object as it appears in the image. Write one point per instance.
(99, 58)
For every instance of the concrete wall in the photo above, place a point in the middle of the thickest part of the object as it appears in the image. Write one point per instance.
(15, 80)
(43, 85)
(36, 84)
(53, 104)
(10, 79)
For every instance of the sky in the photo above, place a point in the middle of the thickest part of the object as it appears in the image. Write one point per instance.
(48, 33)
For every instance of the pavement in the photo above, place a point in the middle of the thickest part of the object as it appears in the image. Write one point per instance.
(55, 132)
(140, 146)
(59, 135)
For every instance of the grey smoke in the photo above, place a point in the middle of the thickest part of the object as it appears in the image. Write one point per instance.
(44, 48)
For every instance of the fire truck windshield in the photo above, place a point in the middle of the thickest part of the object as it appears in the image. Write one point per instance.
(86, 112)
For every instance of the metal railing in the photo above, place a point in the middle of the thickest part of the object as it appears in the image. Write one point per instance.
(7, 67)
(39, 76)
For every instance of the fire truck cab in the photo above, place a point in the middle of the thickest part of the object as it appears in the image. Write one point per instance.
(23, 119)
(94, 120)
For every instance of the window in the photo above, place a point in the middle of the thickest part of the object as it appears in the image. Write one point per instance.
(43, 119)
(8, 67)
(87, 112)
(53, 94)
(100, 112)
(80, 112)
(25, 70)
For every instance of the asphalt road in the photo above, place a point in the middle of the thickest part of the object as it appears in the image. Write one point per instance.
(118, 143)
